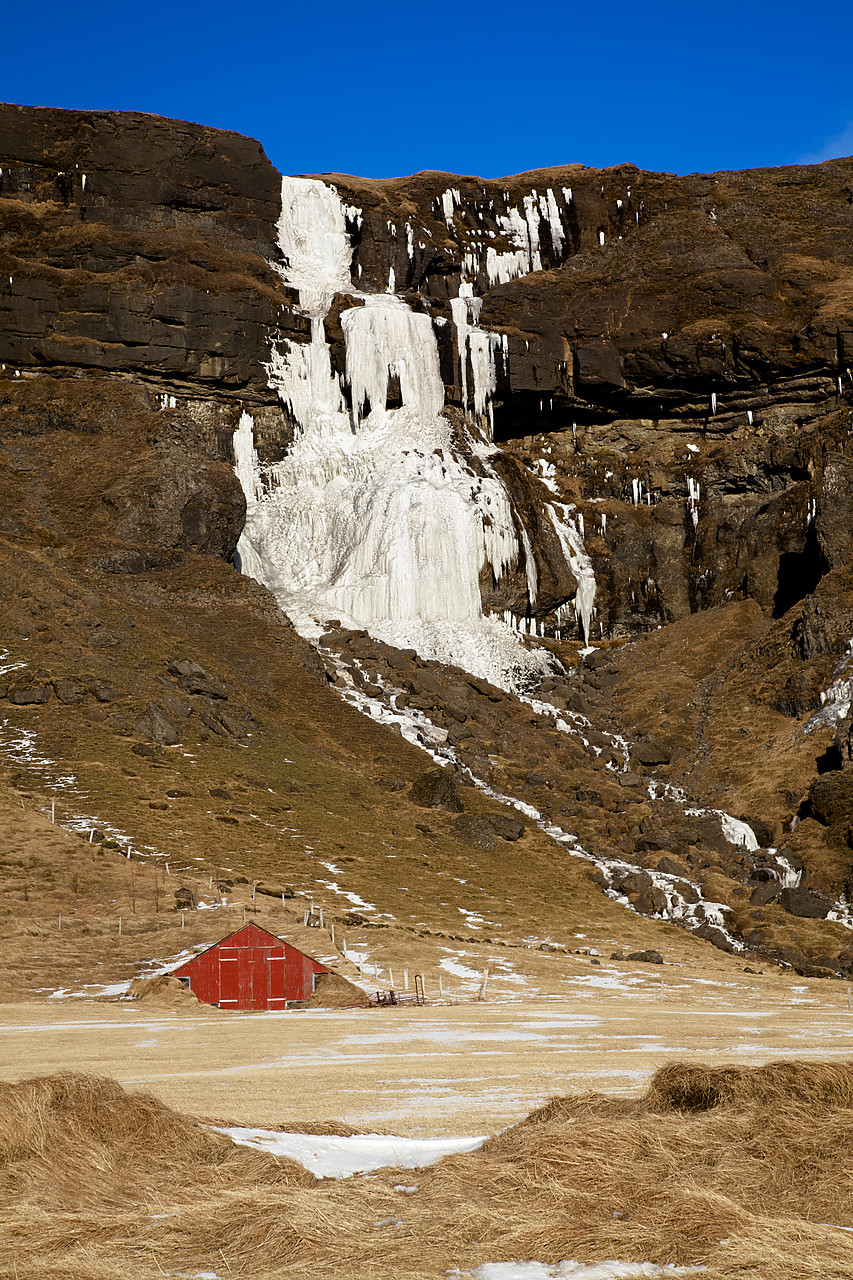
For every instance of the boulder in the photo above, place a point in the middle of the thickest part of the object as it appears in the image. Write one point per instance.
(831, 797)
(157, 727)
(203, 684)
(484, 830)
(633, 882)
(436, 789)
(651, 752)
(505, 826)
(765, 892)
(646, 957)
(68, 692)
(805, 902)
(231, 725)
(672, 868)
(710, 933)
(650, 902)
(30, 695)
(104, 692)
(687, 891)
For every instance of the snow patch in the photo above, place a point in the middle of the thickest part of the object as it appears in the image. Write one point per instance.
(339, 1157)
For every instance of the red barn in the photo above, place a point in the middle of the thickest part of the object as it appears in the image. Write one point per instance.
(251, 969)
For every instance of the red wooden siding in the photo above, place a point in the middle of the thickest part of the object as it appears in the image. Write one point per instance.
(251, 969)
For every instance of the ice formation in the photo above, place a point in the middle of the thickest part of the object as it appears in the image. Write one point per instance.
(374, 517)
(477, 344)
(571, 541)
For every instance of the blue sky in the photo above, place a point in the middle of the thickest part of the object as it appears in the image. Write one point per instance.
(472, 88)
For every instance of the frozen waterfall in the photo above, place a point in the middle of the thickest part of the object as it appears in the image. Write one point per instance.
(373, 517)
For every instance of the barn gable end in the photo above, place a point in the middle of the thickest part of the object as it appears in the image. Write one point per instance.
(251, 969)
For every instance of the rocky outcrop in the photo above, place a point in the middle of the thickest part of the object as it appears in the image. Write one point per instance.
(672, 354)
(133, 244)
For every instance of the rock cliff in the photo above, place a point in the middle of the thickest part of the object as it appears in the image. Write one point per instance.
(655, 370)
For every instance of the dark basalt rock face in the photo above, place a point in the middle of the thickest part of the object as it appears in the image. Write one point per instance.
(133, 244)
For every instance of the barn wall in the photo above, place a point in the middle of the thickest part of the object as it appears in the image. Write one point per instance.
(251, 969)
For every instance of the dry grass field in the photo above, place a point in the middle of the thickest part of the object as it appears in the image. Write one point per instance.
(741, 1172)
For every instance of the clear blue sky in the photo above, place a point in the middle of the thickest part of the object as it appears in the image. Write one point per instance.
(488, 89)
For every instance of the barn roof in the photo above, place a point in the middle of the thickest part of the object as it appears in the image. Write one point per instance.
(250, 929)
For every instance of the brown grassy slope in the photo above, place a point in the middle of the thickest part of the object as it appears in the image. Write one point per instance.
(307, 785)
(741, 1171)
(45, 871)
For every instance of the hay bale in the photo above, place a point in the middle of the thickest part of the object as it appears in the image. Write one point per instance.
(334, 992)
(87, 1134)
(49, 1115)
(166, 992)
(817, 1085)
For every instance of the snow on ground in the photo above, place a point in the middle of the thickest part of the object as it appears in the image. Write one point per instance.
(471, 977)
(341, 1157)
(576, 1271)
(92, 991)
(150, 969)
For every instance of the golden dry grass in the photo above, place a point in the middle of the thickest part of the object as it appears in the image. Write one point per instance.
(743, 1171)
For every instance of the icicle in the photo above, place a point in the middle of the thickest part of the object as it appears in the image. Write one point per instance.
(449, 200)
(580, 564)
(693, 500)
(479, 345)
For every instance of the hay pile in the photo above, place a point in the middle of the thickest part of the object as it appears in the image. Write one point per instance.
(87, 1169)
(165, 992)
(746, 1171)
(334, 992)
(742, 1171)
